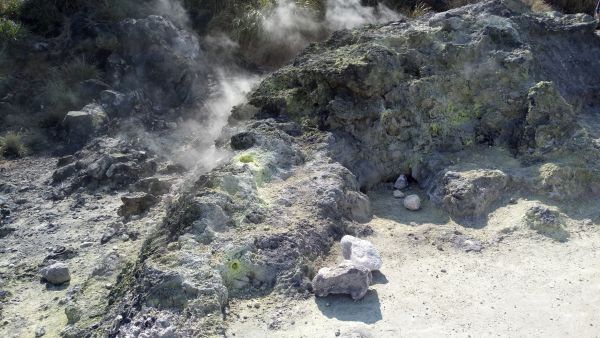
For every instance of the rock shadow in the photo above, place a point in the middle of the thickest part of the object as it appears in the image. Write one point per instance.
(379, 278)
(342, 307)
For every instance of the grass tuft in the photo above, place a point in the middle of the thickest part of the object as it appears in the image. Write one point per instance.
(12, 146)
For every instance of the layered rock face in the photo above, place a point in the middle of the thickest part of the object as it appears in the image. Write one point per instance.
(403, 97)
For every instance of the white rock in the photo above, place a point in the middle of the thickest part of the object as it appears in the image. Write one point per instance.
(412, 202)
(361, 252)
(398, 194)
(347, 278)
(401, 182)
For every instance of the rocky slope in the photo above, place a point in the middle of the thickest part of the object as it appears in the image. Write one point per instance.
(424, 98)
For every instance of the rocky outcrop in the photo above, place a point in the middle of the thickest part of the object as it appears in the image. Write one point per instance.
(363, 107)
(160, 61)
(405, 96)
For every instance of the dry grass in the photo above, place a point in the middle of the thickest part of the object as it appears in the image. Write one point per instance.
(12, 146)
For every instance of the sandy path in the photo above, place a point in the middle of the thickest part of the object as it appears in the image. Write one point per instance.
(520, 285)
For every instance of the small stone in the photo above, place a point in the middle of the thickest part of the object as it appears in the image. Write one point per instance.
(398, 194)
(125, 237)
(401, 182)
(443, 270)
(412, 202)
(360, 252)
(40, 332)
(86, 244)
(56, 273)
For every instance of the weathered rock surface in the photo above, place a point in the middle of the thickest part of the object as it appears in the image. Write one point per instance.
(547, 222)
(348, 114)
(347, 278)
(136, 204)
(468, 194)
(82, 125)
(360, 252)
(407, 95)
(159, 60)
(57, 273)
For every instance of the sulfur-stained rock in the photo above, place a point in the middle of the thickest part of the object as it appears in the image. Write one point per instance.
(360, 252)
(347, 278)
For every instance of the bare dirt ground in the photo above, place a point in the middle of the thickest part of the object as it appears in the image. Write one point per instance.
(521, 284)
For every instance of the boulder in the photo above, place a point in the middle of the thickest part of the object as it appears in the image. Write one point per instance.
(243, 141)
(57, 273)
(136, 204)
(82, 125)
(412, 202)
(346, 278)
(360, 252)
(398, 194)
(467, 194)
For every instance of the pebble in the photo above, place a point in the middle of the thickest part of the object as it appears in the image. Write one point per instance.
(398, 194)
(412, 202)
(40, 331)
(401, 182)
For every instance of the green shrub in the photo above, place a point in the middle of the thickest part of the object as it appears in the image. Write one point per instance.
(12, 146)
(10, 8)
(247, 158)
(9, 30)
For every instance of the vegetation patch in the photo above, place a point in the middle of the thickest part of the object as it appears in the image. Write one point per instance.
(12, 146)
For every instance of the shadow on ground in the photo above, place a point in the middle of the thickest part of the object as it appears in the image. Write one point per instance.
(342, 307)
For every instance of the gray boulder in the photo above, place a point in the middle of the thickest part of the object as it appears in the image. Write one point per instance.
(347, 278)
(360, 252)
(467, 194)
(82, 125)
(57, 273)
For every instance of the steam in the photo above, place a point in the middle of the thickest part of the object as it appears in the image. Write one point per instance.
(346, 14)
(286, 29)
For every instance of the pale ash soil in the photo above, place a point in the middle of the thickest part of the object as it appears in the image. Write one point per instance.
(520, 285)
